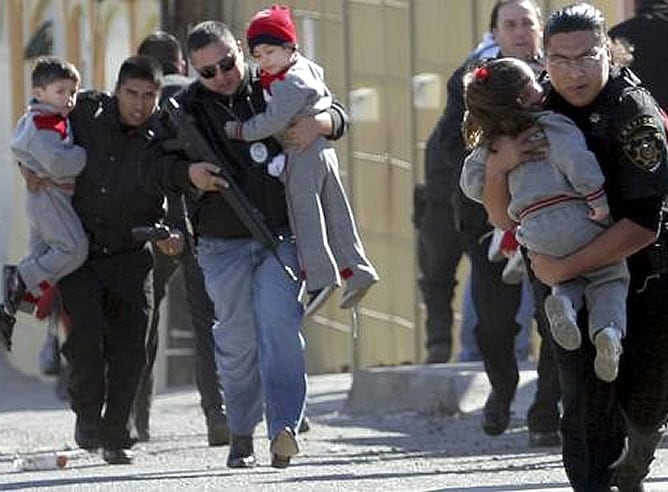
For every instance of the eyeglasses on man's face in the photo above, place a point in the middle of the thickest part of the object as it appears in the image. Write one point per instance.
(224, 65)
(586, 61)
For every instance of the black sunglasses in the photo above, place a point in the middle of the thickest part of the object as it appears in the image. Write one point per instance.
(225, 65)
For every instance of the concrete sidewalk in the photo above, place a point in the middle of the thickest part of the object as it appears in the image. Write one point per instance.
(442, 389)
(365, 452)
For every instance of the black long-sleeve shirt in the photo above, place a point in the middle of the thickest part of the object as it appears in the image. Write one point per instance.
(110, 197)
(209, 213)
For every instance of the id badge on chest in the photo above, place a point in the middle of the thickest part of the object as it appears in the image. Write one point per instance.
(258, 152)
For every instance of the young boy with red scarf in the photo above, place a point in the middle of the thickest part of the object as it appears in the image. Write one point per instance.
(328, 244)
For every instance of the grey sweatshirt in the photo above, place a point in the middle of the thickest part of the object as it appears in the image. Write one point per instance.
(43, 143)
(571, 171)
(302, 92)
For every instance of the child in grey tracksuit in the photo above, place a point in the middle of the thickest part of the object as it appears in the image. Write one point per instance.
(43, 144)
(559, 203)
(328, 244)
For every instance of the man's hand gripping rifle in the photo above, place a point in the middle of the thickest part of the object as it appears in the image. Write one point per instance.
(196, 148)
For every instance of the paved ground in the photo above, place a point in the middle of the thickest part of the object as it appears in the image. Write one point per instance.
(399, 451)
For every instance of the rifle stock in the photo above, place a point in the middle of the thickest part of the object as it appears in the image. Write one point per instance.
(196, 148)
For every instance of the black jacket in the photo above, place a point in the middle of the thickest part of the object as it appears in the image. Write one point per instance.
(110, 197)
(209, 213)
(648, 34)
(624, 129)
(470, 217)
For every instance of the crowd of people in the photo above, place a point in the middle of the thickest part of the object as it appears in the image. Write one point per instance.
(546, 137)
(544, 140)
(104, 164)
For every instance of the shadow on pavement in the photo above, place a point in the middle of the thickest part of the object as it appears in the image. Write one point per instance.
(23, 392)
(163, 477)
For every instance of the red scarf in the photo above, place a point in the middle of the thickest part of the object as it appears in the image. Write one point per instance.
(53, 122)
(266, 78)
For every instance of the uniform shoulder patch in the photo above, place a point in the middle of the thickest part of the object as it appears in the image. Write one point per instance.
(642, 142)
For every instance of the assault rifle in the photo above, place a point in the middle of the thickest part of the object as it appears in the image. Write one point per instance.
(196, 148)
(155, 232)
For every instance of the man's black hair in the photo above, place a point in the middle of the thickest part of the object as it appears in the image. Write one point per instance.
(494, 15)
(650, 6)
(576, 17)
(140, 67)
(49, 69)
(209, 32)
(165, 48)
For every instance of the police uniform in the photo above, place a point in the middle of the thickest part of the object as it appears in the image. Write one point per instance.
(201, 316)
(647, 34)
(440, 246)
(624, 129)
(109, 298)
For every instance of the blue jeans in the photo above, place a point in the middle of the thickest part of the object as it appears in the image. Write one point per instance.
(468, 351)
(259, 347)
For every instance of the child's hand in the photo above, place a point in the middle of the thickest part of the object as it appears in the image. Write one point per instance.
(599, 214)
(33, 182)
(506, 153)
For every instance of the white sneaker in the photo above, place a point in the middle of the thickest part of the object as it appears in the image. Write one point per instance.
(608, 349)
(563, 325)
(494, 253)
(515, 270)
(351, 297)
(316, 299)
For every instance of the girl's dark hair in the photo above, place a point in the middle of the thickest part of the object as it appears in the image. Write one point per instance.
(576, 17)
(140, 67)
(493, 90)
(49, 69)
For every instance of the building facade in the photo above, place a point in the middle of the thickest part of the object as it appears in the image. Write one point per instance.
(388, 60)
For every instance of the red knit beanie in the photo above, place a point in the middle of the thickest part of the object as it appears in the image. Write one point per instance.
(271, 26)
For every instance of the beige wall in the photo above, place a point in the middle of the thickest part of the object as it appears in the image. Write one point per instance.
(87, 39)
(371, 51)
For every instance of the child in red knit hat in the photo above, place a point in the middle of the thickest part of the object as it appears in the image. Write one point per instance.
(327, 240)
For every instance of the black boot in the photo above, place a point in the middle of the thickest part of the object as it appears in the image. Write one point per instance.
(117, 456)
(7, 322)
(14, 288)
(634, 467)
(241, 454)
(218, 433)
(87, 432)
(495, 415)
(305, 425)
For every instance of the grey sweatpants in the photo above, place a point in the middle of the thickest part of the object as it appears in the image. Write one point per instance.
(562, 229)
(57, 242)
(328, 244)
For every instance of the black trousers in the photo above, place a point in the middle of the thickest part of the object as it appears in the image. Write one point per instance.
(598, 415)
(202, 317)
(496, 304)
(440, 250)
(109, 301)
(543, 414)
